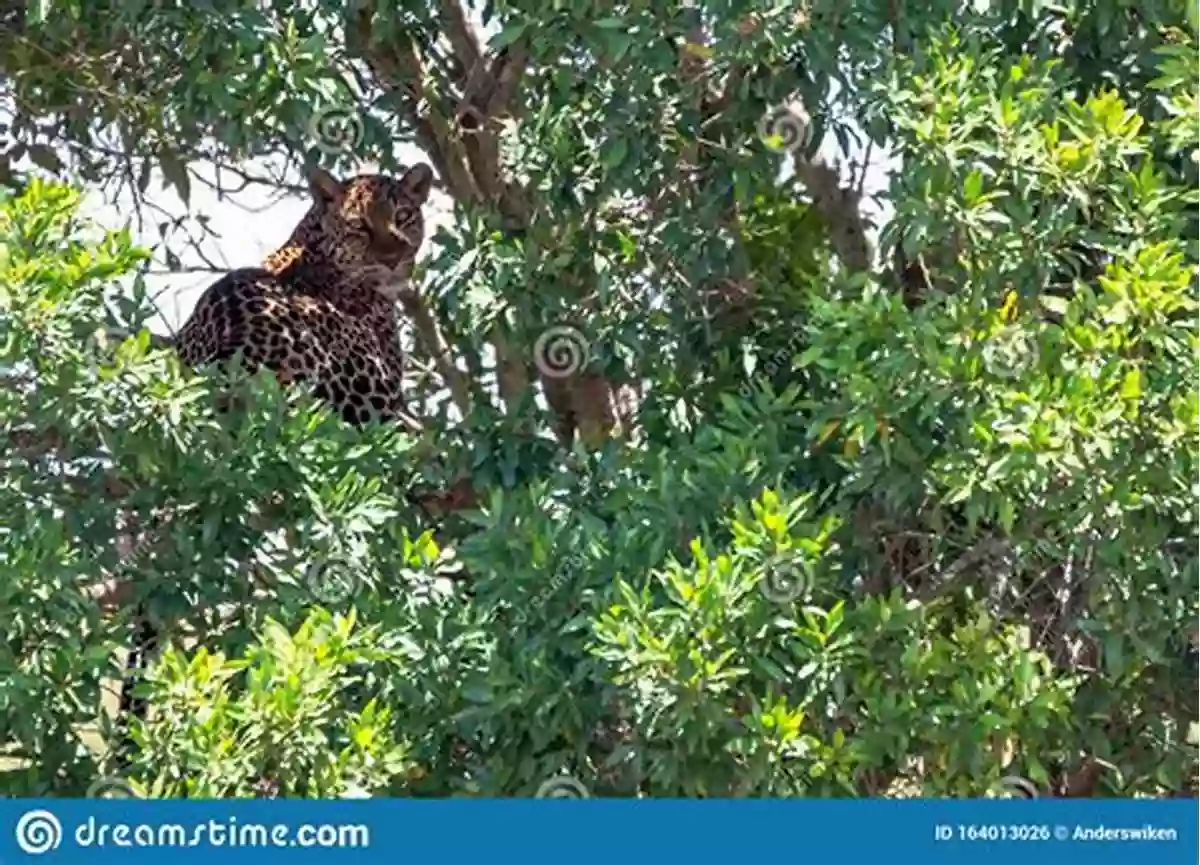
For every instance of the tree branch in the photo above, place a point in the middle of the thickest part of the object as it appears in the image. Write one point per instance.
(429, 334)
(840, 208)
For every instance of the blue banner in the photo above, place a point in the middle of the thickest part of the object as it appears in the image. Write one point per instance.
(603, 832)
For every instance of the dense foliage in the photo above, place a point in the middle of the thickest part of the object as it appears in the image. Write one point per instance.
(862, 536)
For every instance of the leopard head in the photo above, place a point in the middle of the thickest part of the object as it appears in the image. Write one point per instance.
(368, 227)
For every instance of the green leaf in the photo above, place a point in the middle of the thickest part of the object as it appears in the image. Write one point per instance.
(1131, 384)
(478, 691)
(44, 157)
(1056, 305)
(509, 34)
(973, 186)
(176, 175)
(809, 356)
(614, 152)
(618, 44)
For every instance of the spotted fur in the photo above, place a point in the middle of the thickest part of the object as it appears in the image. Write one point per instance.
(320, 309)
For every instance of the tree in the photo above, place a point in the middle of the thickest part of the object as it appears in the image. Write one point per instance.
(790, 521)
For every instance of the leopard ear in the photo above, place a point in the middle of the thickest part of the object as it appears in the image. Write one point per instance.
(417, 182)
(325, 188)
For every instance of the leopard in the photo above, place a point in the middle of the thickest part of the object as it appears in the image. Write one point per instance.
(322, 307)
